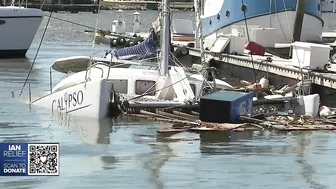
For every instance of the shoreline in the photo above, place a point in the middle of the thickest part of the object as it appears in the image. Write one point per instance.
(75, 8)
(145, 5)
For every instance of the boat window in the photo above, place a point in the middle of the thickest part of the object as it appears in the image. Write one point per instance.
(145, 86)
(193, 88)
(218, 17)
(318, 7)
(119, 85)
(210, 22)
(227, 14)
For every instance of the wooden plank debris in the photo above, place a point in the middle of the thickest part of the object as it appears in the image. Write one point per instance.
(185, 122)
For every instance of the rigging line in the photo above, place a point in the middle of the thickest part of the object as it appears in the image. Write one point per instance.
(177, 62)
(38, 49)
(287, 18)
(277, 15)
(43, 4)
(248, 39)
(292, 39)
(270, 14)
(60, 19)
(88, 75)
(93, 43)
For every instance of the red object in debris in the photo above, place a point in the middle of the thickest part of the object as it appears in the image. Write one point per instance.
(255, 48)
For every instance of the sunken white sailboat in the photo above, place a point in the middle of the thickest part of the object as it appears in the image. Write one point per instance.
(91, 92)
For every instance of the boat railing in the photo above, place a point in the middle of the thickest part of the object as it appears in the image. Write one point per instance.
(94, 66)
(50, 80)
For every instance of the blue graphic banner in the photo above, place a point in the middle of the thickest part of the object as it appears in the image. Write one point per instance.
(27, 159)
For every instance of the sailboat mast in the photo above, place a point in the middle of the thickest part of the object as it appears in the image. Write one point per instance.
(165, 36)
(198, 29)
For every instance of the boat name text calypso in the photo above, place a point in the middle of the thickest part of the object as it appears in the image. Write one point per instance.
(68, 101)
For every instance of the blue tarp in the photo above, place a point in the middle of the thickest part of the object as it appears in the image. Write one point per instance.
(145, 47)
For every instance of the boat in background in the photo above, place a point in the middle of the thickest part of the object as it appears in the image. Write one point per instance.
(18, 27)
(221, 17)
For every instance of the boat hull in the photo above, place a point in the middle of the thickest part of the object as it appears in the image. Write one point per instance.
(280, 17)
(14, 39)
(89, 100)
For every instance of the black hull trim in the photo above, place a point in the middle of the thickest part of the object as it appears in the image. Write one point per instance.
(17, 53)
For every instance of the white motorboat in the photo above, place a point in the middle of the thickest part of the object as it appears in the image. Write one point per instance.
(18, 27)
(90, 92)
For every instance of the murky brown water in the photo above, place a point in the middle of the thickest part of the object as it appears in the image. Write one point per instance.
(98, 154)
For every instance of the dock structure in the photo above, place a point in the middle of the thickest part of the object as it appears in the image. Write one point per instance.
(278, 66)
(241, 65)
(150, 5)
(73, 6)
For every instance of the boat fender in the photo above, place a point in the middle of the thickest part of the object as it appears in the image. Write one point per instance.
(137, 40)
(324, 111)
(113, 42)
(181, 51)
(128, 43)
(121, 40)
(264, 83)
(184, 51)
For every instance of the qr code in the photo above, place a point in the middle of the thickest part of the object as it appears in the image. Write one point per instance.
(43, 159)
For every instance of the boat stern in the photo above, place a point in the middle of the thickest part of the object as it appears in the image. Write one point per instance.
(90, 99)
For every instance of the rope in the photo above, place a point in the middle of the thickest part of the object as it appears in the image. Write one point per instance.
(88, 71)
(93, 43)
(283, 33)
(204, 64)
(60, 19)
(291, 32)
(43, 3)
(248, 39)
(38, 49)
(270, 13)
